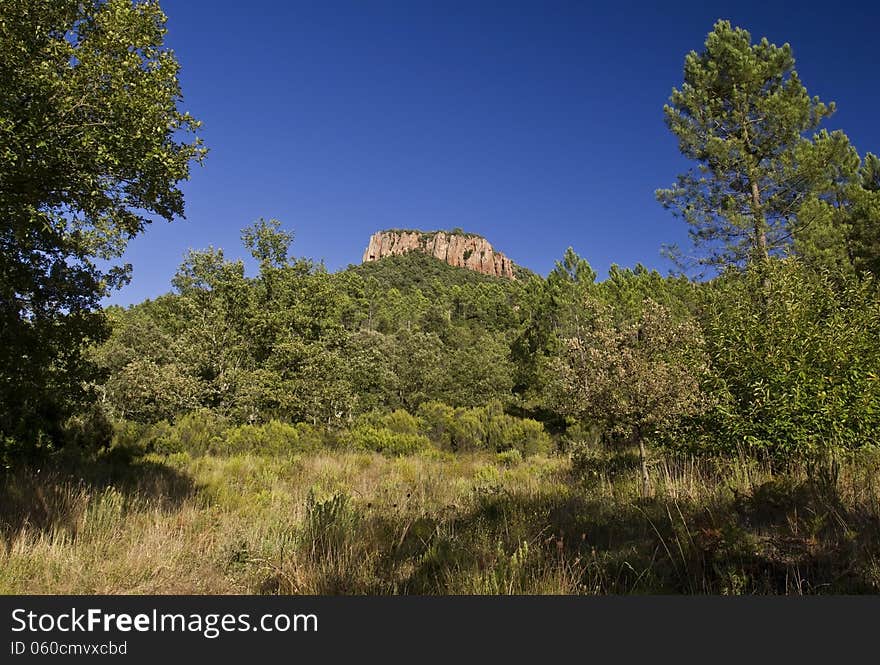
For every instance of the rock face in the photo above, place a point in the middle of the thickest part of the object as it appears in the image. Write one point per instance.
(463, 250)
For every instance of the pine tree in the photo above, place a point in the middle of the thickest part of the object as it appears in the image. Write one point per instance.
(742, 113)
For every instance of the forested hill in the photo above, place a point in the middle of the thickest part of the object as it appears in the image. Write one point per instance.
(414, 270)
(301, 344)
(298, 343)
(457, 248)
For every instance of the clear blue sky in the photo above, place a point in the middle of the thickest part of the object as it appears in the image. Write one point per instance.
(538, 125)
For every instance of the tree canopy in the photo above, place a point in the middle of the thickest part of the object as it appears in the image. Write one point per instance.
(744, 116)
(94, 146)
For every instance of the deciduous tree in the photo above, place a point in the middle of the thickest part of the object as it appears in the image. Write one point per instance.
(93, 145)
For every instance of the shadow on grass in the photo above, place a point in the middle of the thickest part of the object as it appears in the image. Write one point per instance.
(803, 544)
(781, 537)
(54, 492)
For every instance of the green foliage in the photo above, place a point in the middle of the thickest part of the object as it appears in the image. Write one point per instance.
(146, 381)
(448, 428)
(482, 428)
(509, 458)
(838, 227)
(741, 114)
(398, 432)
(203, 432)
(429, 235)
(93, 147)
(250, 349)
(415, 270)
(196, 433)
(548, 312)
(523, 435)
(792, 344)
(795, 368)
(329, 525)
(627, 289)
(384, 440)
(273, 437)
(636, 375)
(467, 431)
(90, 429)
(268, 243)
(398, 421)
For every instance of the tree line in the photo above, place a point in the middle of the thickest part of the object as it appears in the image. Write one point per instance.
(764, 343)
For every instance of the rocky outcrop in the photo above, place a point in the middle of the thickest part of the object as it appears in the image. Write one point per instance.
(463, 250)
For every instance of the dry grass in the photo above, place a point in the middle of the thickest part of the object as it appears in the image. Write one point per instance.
(436, 523)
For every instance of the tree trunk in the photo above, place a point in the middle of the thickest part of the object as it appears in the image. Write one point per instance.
(761, 252)
(643, 458)
(760, 220)
(760, 223)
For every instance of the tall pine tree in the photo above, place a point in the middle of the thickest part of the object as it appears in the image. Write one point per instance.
(742, 114)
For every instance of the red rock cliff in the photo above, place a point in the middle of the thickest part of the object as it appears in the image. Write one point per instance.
(457, 249)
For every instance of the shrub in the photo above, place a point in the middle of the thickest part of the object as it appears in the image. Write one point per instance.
(794, 363)
(384, 440)
(438, 423)
(510, 457)
(158, 438)
(577, 435)
(129, 434)
(399, 421)
(524, 435)
(329, 527)
(482, 428)
(273, 437)
(468, 430)
(89, 430)
(195, 433)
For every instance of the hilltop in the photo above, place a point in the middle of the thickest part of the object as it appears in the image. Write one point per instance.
(457, 248)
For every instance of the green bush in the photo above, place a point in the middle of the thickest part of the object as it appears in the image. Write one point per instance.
(577, 435)
(795, 362)
(468, 430)
(482, 428)
(438, 423)
(195, 433)
(384, 440)
(399, 421)
(456, 430)
(157, 438)
(510, 457)
(524, 435)
(273, 437)
(89, 430)
(437, 426)
(129, 434)
(329, 527)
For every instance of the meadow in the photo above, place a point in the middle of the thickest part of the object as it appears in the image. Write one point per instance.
(434, 522)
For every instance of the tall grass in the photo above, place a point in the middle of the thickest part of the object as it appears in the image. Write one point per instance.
(429, 523)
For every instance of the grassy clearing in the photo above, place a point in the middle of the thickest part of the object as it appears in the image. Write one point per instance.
(363, 523)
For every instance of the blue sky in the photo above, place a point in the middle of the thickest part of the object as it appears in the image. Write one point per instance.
(538, 125)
